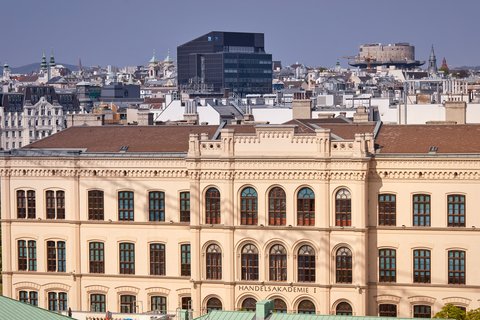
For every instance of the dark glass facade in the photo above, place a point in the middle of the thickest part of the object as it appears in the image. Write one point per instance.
(225, 61)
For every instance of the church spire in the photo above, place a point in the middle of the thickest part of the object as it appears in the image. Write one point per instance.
(432, 63)
(43, 64)
(52, 59)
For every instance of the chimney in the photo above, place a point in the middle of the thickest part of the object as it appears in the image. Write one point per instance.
(190, 114)
(360, 115)
(301, 109)
(456, 111)
(263, 309)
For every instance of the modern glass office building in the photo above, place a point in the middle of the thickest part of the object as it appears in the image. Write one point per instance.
(219, 61)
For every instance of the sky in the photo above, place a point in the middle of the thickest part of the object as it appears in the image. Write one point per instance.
(313, 32)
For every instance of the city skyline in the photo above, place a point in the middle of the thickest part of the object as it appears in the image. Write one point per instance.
(311, 32)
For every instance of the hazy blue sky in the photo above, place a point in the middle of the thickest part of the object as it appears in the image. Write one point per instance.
(315, 32)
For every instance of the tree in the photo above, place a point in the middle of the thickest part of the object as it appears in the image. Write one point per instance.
(449, 311)
(473, 314)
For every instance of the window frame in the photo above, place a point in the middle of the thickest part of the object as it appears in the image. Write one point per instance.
(185, 267)
(306, 263)
(56, 255)
(421, 210)
(249, 263)
(343, 265)
(278, 263)
(156, 206)
(213, 262)
(26, 203)
(157, 255)
(456, 210)
(387, 209)
(387, 265)
(248, 206)
(102, 303)
(343, 207)
(306, 207)
(388, 311)
(126, 205)
(184, 202)
(96, 265)
(96, 204)
(55, 204)
(277, 206)
(457, 275)
(213, 213)
(422, 266)
(126, 257)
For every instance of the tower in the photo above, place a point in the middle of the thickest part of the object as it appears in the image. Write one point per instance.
(6, 72)
(43, 64)
(52, 60)
(432, 63)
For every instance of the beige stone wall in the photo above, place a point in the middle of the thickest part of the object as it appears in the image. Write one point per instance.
(230, 165)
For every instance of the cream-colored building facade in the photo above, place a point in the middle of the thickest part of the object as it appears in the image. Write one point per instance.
(341, 259)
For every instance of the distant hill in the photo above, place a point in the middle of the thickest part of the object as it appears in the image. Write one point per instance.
(34, 67)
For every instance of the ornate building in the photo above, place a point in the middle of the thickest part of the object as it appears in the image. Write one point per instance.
(359, 219)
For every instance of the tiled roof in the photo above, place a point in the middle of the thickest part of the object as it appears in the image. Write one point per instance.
(112, 138)
(419, 138)
(15, 310)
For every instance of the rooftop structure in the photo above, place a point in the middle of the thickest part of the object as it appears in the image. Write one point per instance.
(401, 55)
(225, 61)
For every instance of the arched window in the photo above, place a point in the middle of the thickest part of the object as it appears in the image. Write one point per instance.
(277, 204)
(344, 309)
(249, 304)
(214, 262)
(343, 260)
(343, 208)
(278, 263)
(306, 207)
(306, 264)
(212, 206)
(249, 207)
(249, 262)
(306, 306)
(214, 304)
(279, 306)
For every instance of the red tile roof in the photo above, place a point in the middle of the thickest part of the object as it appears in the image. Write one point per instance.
(419, 138)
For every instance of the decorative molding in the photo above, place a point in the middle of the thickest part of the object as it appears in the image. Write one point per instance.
(387, 298)
(457, 301)
(97, 288)
(160, 290)
(27, 285)
(422, 299)
(56, 286)
(183, 291)
(133, 290)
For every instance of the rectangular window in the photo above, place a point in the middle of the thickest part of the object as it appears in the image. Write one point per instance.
(125, 206)
(25, 204)
(97, 303)
(97, 257)
(421, 210)
(127, 258)
(422, 311)
(22, 255)
(421, 266)
(456, 210)
(159, 304)
(128, 304)
(32, 255)
(56, 256)
(387, 210)
(185, 260)
(387, 265)
(157, 259)
(30, 297)
(387, 310)
(186, 303)
(156, 206)
(456, 267)
(55, 201)
(95, 205)
(184, 206)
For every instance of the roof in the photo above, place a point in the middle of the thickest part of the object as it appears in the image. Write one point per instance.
(112, 138)
(15, 310)
(248, 315)
(227, 315)
(340, 127)
(419, 138)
